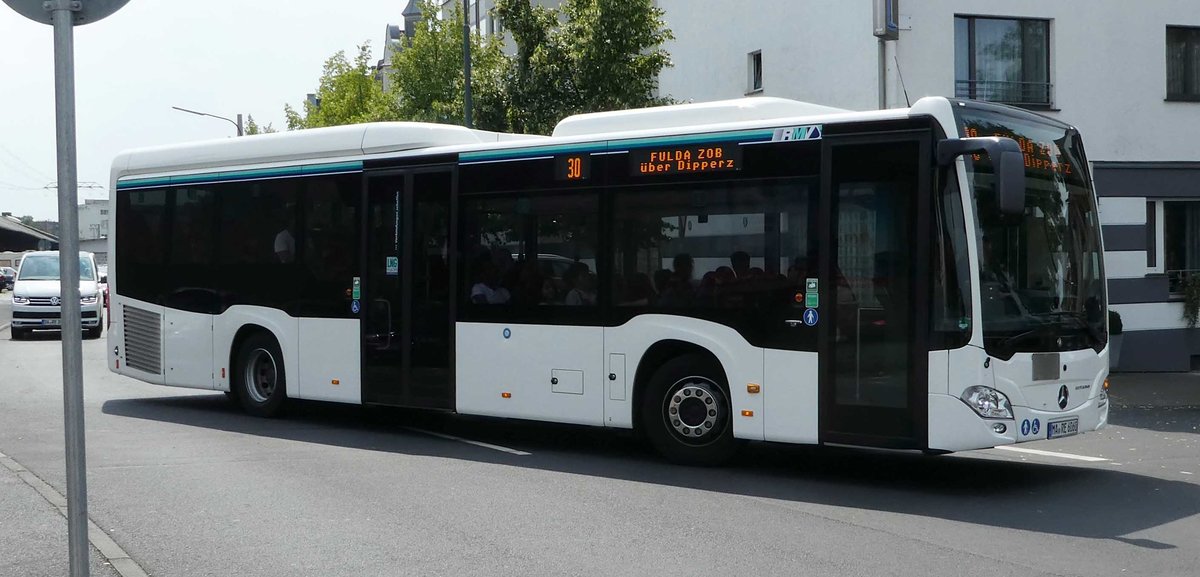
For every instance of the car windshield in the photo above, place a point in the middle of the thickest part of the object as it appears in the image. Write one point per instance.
(1040, 272)
(45, 267)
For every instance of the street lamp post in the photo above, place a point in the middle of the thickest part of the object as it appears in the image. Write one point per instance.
(237, 124)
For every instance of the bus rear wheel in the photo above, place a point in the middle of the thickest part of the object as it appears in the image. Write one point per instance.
(686, 412)
(260, 377)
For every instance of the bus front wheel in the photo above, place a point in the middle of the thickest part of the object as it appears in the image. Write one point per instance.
(261, 380)
(686, 412)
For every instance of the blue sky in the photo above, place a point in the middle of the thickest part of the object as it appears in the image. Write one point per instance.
(216, 56)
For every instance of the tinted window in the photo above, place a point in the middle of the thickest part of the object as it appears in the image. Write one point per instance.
(529, 253)
(141, 250)
(710, 246)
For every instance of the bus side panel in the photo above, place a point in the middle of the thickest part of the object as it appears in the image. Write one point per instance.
(551, 373)
(791, 396)
(188, 349)
(330, 360)
(743, 364)
(282, 326)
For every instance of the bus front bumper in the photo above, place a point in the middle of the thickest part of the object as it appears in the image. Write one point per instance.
(953, 426)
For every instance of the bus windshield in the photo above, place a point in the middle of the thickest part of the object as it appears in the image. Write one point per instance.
(45, 267)
(1040, 272)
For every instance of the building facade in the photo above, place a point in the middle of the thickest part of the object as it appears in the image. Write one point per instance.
(93, 219)
(1127, 74)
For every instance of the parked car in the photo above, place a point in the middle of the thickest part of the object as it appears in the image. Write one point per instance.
(102, 281)
(37, 295)
(8, 275)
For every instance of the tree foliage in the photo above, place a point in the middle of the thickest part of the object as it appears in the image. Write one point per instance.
(253, 127)
(427, 73)
(588, 56)
(347, 94)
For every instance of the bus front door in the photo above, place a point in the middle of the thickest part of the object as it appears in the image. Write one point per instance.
(405, 290)
(874, 306)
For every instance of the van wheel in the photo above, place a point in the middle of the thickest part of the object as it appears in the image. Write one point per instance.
(686, 412)
(261, 382)
(93, 333)
(18, 334)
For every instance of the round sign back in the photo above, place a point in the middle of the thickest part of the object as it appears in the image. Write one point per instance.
(86, 11)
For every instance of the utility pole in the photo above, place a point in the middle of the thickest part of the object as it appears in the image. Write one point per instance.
(467, 62)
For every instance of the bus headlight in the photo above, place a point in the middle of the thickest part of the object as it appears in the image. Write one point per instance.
(988, 402)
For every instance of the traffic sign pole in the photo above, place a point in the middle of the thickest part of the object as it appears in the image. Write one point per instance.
(68, 259)
(64, 15)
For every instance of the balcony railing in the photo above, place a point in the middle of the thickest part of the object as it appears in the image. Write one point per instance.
(1004, 92)
(1177, 278)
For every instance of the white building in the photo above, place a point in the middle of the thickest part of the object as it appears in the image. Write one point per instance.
(1127, 74)
(93, 219)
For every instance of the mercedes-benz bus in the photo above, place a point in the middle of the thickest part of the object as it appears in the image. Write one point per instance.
(928, 278)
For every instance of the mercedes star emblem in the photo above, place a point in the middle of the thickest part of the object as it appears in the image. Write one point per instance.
(1062, 397)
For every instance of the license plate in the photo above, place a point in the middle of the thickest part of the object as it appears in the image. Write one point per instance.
(1056, 429)
(52, 322)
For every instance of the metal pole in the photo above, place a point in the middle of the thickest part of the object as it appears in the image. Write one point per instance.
(467, 61)
(239, 125)
(882, 74)
(68, 258)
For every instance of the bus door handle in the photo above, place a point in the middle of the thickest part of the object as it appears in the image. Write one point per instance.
(793, 323)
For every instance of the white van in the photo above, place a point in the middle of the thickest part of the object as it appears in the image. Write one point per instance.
(37, 295)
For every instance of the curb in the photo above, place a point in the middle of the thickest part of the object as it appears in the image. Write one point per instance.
(97, 537)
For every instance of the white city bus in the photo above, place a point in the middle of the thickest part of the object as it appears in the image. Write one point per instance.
(927, 278)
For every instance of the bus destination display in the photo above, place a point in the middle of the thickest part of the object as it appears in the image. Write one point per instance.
(573, 166)
(717, 157)
(1040, 156)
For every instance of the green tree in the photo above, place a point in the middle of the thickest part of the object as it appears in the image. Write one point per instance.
(27, 220)
(590, 55)
(346, 94)
(253, 127)
(427, 73)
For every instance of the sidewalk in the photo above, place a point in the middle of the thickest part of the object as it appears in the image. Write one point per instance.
(33, 535)
(1156, 390)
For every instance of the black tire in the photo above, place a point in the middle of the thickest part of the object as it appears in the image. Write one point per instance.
(686, 412)
(259, 377)
(232, 396)
(93, 333)
(18, 334)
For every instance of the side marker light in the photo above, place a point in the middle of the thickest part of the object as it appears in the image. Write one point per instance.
(753, 388)
(747, 413)
(506, 395)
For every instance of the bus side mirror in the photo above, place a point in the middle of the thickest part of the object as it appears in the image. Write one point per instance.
(1006, 157)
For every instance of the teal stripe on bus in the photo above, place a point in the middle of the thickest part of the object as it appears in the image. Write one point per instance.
(618, 145)
(300, 170)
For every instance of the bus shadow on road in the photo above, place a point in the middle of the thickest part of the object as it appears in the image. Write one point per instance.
(1089, 501)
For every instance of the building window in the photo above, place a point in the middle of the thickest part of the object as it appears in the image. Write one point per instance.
(754, 82)
(1003, 60)
(1183, 63)
(1180, 248)
(1151, 234)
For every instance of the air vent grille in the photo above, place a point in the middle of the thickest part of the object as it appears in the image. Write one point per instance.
(143, 340)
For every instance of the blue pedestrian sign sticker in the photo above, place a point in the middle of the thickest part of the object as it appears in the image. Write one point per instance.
(1025, 427)
(355, 306)
(811, 317)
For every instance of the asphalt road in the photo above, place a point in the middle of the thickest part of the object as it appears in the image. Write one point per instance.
(190, 486)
